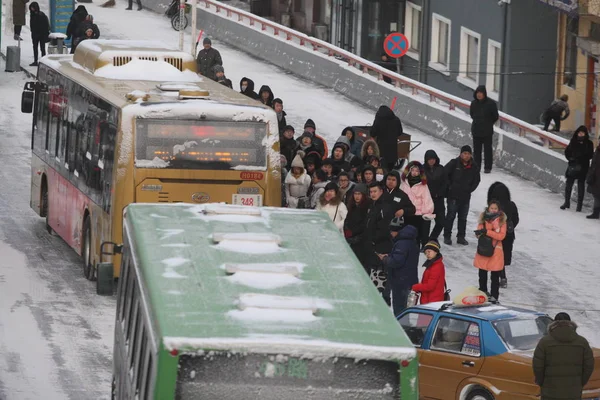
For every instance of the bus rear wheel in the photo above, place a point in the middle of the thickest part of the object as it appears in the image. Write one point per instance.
(86, 250)
(480, 394)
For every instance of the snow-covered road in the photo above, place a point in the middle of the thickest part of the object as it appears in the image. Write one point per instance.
(56, 334)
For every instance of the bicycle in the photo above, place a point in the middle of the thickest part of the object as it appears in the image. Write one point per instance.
(173, 12)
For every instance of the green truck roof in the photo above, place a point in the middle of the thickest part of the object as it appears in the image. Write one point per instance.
(266, 280)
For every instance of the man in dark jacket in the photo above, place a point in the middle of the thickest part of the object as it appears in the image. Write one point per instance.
(266, 96)
(318, 141)
(463, 178)
(386, 129)
(437, 182)
(40, 29)
(288, 145)
(87, 30)
(378, 220)
(278, 107)
(220, 76)
(77, 19)
(563, 361)
(207, 59)
(555, 112)
(247, 88)
(484, 113)
(396, 197)
(402, 263)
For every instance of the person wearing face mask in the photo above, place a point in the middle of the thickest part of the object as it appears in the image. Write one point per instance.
(331, 202)
(247, 88)
(579, 152)
(396, 197)
(379, 174)
(278, 107)
(492, 223)
(414, 183)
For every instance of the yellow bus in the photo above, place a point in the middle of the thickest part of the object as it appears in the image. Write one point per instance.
(121, 122)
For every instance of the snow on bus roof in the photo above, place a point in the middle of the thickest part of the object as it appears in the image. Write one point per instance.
(287, 301)
(145, 70)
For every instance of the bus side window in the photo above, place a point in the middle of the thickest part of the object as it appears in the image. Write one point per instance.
(123, 284)
(129, 306)
(140, 361)
(64, 123)
(148, 374)
(135, 335)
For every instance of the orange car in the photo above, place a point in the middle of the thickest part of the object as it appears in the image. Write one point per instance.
(479, 352)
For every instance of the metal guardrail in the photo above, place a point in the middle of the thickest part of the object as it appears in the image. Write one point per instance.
(507, 123)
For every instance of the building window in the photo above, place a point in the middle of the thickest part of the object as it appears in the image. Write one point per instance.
(412, 29)
(494, 68)
(470, 55)
(570, 62)
(440, 44)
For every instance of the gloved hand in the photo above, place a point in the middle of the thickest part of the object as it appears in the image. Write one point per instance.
(429, 217)
(480, 232)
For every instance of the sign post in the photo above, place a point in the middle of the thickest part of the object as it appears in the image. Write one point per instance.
(181, 23)
(396, 45)
(60, 15)
(194, 16)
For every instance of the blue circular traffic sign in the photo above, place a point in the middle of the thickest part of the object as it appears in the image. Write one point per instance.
(395, 45)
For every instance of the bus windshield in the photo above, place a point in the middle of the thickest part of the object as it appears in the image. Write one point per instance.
(195, 144)
(523, 333)
(256, 376)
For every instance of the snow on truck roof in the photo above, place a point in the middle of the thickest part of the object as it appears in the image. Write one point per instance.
(223, 277)
(487, 311)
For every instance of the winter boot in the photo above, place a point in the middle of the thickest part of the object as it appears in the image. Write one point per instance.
(448, 241)
(462, 240)
(579, 207)
(503, 283)
(567, 204)
(595, 214)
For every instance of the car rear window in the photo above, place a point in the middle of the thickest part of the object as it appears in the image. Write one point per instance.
(523, 333)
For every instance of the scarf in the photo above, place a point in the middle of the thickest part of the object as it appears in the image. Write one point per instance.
(279, 116)
(413, 180)
(488, 216)
(429, 263)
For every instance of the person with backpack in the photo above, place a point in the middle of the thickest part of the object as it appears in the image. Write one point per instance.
(499, 191)
(490, 233)
(401, 264)
(433, 283)
(555, 112)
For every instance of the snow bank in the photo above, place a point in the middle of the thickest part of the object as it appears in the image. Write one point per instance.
(263, 280)
(154, 163)
(144, 70)
(294, 346)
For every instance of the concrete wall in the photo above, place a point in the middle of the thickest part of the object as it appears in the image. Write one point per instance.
(513, 153)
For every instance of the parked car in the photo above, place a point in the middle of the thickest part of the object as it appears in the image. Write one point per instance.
(481, 352)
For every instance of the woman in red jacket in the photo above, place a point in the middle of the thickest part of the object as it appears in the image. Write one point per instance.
(432, 286)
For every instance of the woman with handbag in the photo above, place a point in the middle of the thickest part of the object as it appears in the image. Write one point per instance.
(579, 152)
(490, 232)
(433, 283)
(331, 202)
(355, 224)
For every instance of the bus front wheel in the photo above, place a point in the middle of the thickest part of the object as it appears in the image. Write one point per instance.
(86, 250)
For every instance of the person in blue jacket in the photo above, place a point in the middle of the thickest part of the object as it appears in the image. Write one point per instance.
(402, 263)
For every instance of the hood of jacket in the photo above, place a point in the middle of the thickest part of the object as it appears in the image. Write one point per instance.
(366, 144)
(409, 232)
(581, 128)
(368, 168)
(499, 191)
(344, 140)
(351, 129)
(250, 87)
(34, 6)
(395, 174)
(480, 89)
(563, 331)
(421, 171)
(429, 154)
(385, 112)
(344, 151)
(265, 88)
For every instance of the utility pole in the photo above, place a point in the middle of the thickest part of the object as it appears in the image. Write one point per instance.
(194, 17)
(181, 23)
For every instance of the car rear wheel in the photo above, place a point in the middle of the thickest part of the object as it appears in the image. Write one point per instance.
(480, 394)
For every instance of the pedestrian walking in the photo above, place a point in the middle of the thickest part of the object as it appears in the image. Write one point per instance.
(484, 113)
(207, 59)
(557, 112)
(490, 233)
(130, 5)
(386, 129)
(579, 152)
(593, 181)
(401, 264)
(331, 202)
(247, 88)
(437, 182)
(19, 9)
(40, 30)
(563, 361)
(499, 191)
(433, 283)
(463, 178)
(414, 183)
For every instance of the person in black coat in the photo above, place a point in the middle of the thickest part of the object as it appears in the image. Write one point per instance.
(40, 29)
(247, 88)
(278, 107)
(463, 178)
(265, 96)
(87, 30)
(386, 129)
(355, 224)
(208, 58)
(437, 182)
(396, 197)
(77, 19)
(484, 113)
(579, 152)
(288, 145)
(499, 192)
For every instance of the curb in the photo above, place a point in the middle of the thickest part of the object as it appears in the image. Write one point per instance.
(29, 74)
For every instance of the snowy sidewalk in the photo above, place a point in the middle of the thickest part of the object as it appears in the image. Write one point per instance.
(553, 266)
